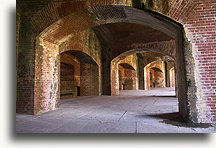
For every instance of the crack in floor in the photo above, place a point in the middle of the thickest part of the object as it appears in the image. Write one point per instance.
(136, 127)
(122, 116)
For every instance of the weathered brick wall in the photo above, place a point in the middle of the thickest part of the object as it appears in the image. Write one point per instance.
(25, 65)
(86, 41)
(47, 88)
(89, 79)
(130, 79)
(200, 31)
(47, 65)
(198, 20)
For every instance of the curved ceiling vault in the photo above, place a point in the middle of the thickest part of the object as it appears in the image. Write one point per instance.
(119, 27)
(76, 22)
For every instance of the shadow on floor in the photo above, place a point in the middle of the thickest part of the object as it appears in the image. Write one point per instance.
(176, 120)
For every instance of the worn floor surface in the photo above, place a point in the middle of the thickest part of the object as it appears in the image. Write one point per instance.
(153, 111)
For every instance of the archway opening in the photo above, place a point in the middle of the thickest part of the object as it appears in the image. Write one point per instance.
(79, 75)
(105, 40)
(145, 70)
(160, 74)
(127, 77)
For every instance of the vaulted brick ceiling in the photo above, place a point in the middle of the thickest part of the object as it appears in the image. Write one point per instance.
(118, 28)
(121, 35)
(115, 18)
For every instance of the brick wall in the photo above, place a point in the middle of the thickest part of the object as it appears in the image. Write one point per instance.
(89, 79)
(200, 31)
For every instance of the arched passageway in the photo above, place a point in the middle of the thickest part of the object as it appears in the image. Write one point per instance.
(79, 74)
(103, 31)
(157, 74)
(120, 36)
(127, 77)
(156, 78)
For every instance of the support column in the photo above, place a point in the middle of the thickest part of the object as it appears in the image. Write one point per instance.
(114, 79)
(167, 74)
(47, 77)
(106, 72)
(25, 66)
(140, 71)
(147, 78)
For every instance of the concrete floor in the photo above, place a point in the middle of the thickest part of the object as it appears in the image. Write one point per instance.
(153, 111)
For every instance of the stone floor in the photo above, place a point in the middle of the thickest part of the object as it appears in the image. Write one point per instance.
(153, 111)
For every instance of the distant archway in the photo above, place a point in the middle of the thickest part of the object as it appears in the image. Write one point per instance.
(86, 80)
(127, 77)
(154, 75)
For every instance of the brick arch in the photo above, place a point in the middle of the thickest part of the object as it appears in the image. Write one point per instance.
(65, 29)
(52, 11)
(47, 72)
(114, 68)
(121, 58)
(76, 44)
(127, 65)
(81, 54)
(89, 73)
(153, 62)
(147, 70)
(127, 76)
(69, 74)
(165, 48)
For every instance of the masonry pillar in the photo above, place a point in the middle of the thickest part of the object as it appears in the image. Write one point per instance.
(106, 72)
(47, 76)
(181, 90)
(114, 79)
(140, 71)
(25, 66)
(167, 74)
(147, 78)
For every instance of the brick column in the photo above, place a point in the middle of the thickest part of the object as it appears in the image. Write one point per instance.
(167, 74)
(114, 79)
(106, 72)
(140, 71)
(47, 77)
(25, 66)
